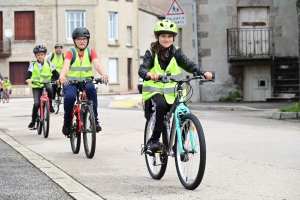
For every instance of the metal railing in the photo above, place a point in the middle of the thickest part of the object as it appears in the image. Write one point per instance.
(249, 42)
(5, 47)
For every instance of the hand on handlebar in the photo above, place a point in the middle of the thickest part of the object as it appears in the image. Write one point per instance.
(153, 76)
(208, 75)
(28, 81)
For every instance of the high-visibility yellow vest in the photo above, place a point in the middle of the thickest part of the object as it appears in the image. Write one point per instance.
(80, 69)
(7, 84)
(41, 76)
(169, 91)
(58, 64)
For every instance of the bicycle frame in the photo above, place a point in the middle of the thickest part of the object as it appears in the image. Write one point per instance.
(77, 110)
(178, 108)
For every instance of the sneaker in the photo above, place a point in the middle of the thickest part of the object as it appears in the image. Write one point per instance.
(66, 129)
(31, 126)
(154, 144)
(98, 127)
(52, 109)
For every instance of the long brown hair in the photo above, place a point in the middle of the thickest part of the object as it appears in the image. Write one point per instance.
(158, 50)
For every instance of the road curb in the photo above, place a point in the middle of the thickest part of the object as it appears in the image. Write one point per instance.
(286, 115)
(66, 182)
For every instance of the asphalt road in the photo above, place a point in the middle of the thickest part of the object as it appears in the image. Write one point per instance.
(249, 155)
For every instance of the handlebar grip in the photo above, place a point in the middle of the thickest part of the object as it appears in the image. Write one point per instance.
(147, 78)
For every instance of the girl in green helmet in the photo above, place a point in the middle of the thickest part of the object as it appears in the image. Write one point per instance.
(160, 58)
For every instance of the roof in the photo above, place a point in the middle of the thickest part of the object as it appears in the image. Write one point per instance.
(155, 7)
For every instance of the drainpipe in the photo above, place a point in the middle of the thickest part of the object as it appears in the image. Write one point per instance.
(273, 62)
(56, 22)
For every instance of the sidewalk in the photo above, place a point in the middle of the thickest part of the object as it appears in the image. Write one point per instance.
(249, 106)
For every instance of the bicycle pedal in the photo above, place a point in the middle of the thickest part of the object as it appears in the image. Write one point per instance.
(159, 151)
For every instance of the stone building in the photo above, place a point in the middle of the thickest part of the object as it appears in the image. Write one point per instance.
(112, 25)
(251, 45)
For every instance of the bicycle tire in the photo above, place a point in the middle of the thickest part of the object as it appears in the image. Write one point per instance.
(46, 121)
(75, 138)
(156, 171)
(191, 178)
(39, 125)
(57, 103)
(89, 133)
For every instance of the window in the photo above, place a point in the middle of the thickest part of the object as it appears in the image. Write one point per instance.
(17, 72)
(128, 35)
(24, 25)
(75, 19)
(113, 70)
(113, 26)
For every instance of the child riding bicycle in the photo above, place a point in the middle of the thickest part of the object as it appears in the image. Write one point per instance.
(40, 70)
(163, 57)
(6, 86)
(57, 59)
(78, 66)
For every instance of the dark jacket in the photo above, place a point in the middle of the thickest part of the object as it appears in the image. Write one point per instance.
(181, 59)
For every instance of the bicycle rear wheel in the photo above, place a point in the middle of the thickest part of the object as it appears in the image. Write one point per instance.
(190, 165)
(75, 137)
(156, 161)
(89, 130)
(57, 103)
(46, 121)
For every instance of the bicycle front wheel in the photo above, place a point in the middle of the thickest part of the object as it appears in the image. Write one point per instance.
(156, 161)
(75, 138)
(46, 121)
(39, 124)
(190, 164)
(57, 103)
(89, 130)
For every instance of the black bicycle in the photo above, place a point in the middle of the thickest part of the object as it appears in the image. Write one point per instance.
(58, 99)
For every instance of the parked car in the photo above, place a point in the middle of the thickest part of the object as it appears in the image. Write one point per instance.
(140, 85)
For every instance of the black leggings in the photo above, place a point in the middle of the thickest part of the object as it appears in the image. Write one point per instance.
(159, 108)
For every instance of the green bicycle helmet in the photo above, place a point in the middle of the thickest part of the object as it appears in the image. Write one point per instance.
(165, 26)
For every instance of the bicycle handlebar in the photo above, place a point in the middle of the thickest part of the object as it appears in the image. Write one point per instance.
(38, 82)
(167, 79)
(97, 80)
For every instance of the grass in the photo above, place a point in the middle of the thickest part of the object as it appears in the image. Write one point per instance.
(291, 108)
(232, 97)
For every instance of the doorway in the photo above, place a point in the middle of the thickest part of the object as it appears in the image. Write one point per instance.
(129, 73)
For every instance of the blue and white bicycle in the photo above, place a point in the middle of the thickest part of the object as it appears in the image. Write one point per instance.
(184, 140)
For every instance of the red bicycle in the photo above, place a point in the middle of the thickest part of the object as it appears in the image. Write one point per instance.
(43, 119)
(83, 120)
(5, 96)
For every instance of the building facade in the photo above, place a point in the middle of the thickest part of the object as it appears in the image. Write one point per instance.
(112, 25)
(250, 45)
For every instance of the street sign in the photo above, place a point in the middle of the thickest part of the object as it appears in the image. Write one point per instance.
(176, 14)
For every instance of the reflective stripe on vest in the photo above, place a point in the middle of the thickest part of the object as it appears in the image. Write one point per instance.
(80, 70)
(42, 76)
(58, 64)
(169, 90)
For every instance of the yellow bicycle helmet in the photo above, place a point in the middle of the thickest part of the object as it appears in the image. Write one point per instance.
(165, 26)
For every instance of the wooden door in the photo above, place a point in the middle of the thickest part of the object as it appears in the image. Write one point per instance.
(254, 35)
(17, 72)
(129, 61)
